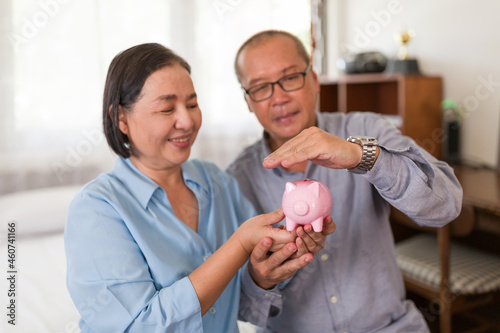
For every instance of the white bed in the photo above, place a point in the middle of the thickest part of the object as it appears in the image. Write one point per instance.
(43, 304)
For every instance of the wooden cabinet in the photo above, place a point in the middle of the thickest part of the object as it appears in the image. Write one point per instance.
(413, 102)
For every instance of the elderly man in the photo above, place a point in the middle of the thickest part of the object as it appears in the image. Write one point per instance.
(353, 284)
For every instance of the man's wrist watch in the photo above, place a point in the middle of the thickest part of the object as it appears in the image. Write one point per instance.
(369, 145)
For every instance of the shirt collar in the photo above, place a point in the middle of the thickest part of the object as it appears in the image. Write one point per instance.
(143, 187)
(137, 183)
(195, 177)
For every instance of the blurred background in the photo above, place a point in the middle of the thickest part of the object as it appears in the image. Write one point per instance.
(54, 59)
(54, 56)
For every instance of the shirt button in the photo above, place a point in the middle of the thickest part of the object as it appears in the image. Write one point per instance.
(324, 257)
(205, 258)
(212, 310)
(333, 299)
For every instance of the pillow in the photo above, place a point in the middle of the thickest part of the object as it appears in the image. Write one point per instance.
(36, 211)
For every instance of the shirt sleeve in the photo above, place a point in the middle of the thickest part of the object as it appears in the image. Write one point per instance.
(109, 280)
(411, 179)
(257, 304)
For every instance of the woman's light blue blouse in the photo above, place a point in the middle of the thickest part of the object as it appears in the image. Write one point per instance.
(129, 256)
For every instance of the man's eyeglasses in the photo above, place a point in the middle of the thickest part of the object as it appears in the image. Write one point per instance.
(289, 82)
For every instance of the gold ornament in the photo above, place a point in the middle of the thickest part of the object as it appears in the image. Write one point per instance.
(403, 38)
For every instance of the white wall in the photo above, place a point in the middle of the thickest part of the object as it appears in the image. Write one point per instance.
(458, 40)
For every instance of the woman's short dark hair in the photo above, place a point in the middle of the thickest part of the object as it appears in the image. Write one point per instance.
(126, 76)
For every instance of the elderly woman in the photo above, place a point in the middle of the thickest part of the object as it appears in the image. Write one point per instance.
(156, 244)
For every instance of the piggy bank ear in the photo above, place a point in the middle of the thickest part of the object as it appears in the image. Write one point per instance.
(314, 188)
(289, 187)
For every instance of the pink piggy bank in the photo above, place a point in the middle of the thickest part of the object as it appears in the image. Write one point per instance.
(306, 201)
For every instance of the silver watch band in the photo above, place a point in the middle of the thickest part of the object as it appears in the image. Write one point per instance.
(369, 145)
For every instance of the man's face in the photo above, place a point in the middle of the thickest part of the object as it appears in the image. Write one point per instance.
(284, 114)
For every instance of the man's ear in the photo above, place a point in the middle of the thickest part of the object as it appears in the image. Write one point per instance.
(248, 100)
(122, 119)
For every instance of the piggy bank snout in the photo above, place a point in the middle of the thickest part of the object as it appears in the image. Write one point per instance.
(301, 208)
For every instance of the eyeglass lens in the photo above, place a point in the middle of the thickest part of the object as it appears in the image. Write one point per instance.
(287, 83)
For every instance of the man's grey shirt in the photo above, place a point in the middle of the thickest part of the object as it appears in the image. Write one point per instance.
(353, 284)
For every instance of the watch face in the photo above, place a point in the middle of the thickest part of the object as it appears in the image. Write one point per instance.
(362, 140)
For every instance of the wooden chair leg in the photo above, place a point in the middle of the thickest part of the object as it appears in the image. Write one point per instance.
(445, 295)
(445, 312)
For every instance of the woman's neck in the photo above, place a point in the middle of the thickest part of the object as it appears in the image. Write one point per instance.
(166, 177)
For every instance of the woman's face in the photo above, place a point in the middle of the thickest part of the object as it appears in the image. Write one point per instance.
(162, 125)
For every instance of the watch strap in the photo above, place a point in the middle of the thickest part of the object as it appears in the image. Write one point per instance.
(369, 145)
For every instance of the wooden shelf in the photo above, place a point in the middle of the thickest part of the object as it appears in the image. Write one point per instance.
(412, 101)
